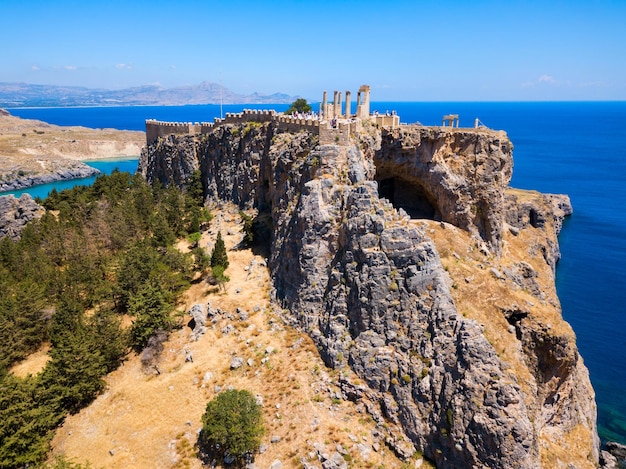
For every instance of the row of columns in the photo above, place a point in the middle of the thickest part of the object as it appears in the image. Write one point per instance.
(336, 106)
(450, 120)
(362, 105)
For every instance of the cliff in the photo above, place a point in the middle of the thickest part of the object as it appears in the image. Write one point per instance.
(15, 213)
(408, 259)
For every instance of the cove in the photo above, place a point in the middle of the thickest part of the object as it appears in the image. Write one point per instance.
(106, 166)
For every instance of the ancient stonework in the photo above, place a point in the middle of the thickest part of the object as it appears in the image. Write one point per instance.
(354, 264)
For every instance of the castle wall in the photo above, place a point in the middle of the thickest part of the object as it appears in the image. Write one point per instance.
(328, 135)
(335, 136)
(391, 121)
(156, 129)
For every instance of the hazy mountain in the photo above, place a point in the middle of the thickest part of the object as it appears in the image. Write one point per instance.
(27, 95)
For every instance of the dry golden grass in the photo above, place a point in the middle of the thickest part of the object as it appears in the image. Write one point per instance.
(33, 364)
(36, 147)
(479, 295)
(151, 421)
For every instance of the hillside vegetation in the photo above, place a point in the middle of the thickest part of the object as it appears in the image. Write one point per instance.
(80, 293)
(98, 254)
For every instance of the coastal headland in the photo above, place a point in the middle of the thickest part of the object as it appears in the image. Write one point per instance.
(33, 152)
(399, 306)
(403, 253)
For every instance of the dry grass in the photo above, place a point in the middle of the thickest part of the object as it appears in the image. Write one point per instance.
(33, 364)
(480, 295)
(151, 421)
(35, 147)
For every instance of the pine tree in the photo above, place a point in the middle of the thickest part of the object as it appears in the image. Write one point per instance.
(219, 257)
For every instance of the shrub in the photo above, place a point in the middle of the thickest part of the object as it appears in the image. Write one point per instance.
(218, 277)
(232, 426)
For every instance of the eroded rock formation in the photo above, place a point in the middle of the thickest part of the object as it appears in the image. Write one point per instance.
(470, 381)
(15, 213)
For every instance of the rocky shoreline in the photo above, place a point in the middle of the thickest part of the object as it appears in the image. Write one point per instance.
(34, 152)
(66, 171)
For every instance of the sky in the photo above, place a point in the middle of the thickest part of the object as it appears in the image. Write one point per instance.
(417, 50)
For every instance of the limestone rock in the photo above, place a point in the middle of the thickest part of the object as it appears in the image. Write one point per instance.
(351, 268)
(236, 362)
(64, 170)
(198, 321)
(16, 213)
(618, 451)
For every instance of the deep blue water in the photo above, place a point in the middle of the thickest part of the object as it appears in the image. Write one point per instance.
(575, 148)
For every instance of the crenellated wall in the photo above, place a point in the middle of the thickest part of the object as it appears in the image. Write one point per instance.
(332, 125)
(156, 129)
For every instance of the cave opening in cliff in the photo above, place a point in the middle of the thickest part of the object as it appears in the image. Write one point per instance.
(409, 196)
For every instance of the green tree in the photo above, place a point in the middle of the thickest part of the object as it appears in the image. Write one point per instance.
(219, 255)
(27, 423)
(232, 425)
(299, 105)
(248, 228)
(195, 191)
(217, 274)
(202, 261)
(152, 315)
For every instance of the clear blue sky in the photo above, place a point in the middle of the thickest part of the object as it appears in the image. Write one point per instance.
(416, 50)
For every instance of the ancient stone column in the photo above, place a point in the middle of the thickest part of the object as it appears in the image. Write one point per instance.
(324, 103)
(347, 105)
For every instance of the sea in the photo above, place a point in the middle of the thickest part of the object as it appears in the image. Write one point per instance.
(573, 148)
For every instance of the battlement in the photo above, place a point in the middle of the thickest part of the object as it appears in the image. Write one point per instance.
(338, 135)
(332, 124)
(156, 129)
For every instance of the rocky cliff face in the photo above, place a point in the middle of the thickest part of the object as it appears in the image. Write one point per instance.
(357, 260)
(15, 213)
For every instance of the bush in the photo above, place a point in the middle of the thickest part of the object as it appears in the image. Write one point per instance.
(218, 277)
(232, 426)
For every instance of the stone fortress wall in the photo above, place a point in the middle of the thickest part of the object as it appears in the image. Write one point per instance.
(334, 123)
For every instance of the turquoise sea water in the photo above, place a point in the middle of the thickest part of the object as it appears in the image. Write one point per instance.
(575, 148)
(105, 167)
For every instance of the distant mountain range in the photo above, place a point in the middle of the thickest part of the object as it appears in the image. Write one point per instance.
(27, 95)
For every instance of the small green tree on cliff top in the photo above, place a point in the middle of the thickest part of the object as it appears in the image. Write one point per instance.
(299, 105)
